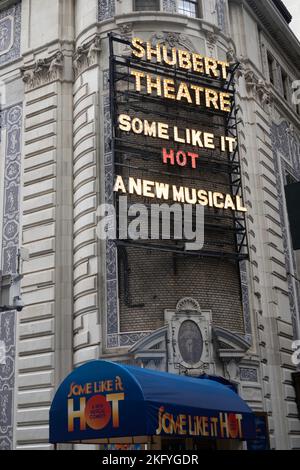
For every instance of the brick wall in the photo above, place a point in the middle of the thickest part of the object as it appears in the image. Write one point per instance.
(158, 280)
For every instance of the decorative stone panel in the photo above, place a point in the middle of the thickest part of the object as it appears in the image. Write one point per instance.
(245, 298)
(11, 122)
(10, 34)
(286, 142)
(106, 9)
(221, 14)
(7, 378)
(169, 6)
(248, 375)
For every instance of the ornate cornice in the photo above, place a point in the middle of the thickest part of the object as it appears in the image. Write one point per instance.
(230, 346)
(273, 22)
(283, 10)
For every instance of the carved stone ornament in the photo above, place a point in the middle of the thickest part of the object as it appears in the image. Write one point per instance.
(211, 41)
(251, 81)
(232, 370)
(242, 69)
(232, 59)
(188, 304)
(43, 70)
(263, 93)
(231, 56)
(230, 346)
(291, 130)
(172, 39)
(86, 55)
(126, 31)
(257, 88)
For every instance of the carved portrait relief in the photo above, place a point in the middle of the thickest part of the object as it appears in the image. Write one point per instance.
(190, 342)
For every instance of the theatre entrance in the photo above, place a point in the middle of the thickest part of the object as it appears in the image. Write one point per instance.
(193, 444)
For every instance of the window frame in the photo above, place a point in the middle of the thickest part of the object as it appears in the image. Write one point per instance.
(197, 5)
(271, 68)
(285, 84)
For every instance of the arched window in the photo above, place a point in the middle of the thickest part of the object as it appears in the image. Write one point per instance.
(146, 5)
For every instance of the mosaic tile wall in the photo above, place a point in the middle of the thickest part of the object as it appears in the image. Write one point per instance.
(10, 34)
(169, 6)
(286, 142)
(221, 14)
(106, 9)
(11, 122)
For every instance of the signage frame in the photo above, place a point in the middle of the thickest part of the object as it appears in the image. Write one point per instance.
(238, 228)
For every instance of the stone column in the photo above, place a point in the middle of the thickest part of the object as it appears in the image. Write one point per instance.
(45, 325)
(86, 199)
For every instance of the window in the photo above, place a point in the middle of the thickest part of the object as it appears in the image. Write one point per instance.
(188, 8)
(146, 5)
(285, 84)
(289, 178)
(271, 69)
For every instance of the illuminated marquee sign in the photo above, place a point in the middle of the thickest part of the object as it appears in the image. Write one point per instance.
(185, 195)
(190, 94)
(175, 141)
(168, 88)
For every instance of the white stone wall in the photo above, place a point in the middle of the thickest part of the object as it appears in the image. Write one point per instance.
(87, 329)
(44, 339)
(271, 292)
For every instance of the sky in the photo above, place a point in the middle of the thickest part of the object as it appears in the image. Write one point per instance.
(294, 7)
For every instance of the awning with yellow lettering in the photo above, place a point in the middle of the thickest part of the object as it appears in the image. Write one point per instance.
(104, 400)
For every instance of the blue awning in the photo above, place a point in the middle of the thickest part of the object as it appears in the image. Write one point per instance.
(104, 400)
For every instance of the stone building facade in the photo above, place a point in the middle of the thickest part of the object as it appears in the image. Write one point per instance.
(81, 302)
